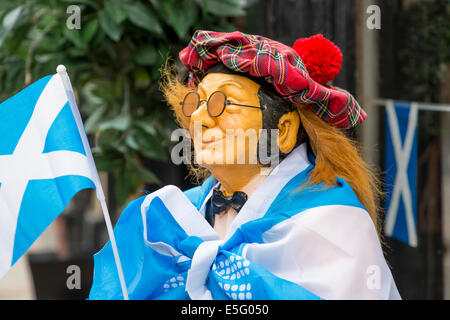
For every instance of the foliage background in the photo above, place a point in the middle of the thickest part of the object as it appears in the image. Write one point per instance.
(424, 49)
(113, 61)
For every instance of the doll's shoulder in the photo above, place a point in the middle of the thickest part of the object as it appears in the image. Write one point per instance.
(198, 194)
(299, 196)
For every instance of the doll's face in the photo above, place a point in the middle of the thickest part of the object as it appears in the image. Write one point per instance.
(232, 137)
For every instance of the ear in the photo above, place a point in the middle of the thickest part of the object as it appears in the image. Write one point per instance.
(288, 126)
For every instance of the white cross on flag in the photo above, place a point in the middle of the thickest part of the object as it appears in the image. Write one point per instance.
(401, 171)
(43, 164)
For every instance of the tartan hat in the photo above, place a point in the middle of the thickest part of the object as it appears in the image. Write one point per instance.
(298, 74)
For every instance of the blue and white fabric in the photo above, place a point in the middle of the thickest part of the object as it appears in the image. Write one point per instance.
(289, 241)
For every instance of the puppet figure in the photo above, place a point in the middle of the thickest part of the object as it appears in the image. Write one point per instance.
(287, 207)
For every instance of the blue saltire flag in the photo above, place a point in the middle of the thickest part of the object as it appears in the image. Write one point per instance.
(401, 171)
(43, 164)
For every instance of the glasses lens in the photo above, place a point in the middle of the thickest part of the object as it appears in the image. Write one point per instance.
(190, 103)
(216, 103)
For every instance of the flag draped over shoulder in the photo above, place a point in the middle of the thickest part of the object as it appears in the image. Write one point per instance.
(286, 242)
(43, 164)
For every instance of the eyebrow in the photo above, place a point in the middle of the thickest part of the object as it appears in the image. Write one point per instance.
(230, 83)
(225, 83)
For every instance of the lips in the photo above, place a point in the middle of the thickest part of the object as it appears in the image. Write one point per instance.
(211, 141)
(207, 136)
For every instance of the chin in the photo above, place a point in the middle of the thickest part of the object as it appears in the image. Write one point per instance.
(208, 158)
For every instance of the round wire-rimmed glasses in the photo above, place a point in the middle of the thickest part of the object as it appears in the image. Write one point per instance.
(215, 104)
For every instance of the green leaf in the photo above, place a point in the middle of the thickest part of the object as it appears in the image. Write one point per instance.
(88, 91)
(156, 4)
(86, 2)
(11, 44)
(148, 144)
(118, 86)
(91, 124)
(8, 23)
(115, 10)
(180, 15)
(11, 17)
(146, 175)
(145, 55)
(109, 161)
(154, 150)
(127, 183)
(143, 17)
(103, 89)
(97, 40)
(131, 142)
(81, 37)
(226, 8)
(120, 123)
(89, 31)
(146, 126)
(74, 35)
(109, 141)
(141, 78)
(111, 28)
(163, 53)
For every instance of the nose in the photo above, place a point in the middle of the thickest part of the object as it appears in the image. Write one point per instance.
(201, 115)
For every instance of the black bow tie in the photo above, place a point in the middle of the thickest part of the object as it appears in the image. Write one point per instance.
(220, 202)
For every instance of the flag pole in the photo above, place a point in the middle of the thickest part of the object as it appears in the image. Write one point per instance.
(98, 186)
(425, 106)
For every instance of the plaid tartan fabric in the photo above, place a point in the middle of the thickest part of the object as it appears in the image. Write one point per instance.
(279, 64)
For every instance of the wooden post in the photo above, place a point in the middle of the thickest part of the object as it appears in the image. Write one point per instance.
(367, 80)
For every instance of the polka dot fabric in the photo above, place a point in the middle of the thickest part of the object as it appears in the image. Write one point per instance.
(232, 276)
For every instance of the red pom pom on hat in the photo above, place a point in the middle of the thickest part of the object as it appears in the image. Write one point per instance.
(322, 58)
